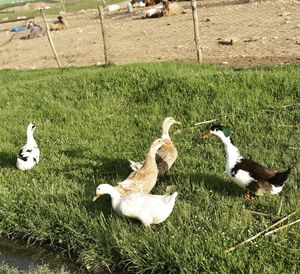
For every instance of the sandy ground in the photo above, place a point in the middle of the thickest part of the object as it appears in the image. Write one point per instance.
(263, 32)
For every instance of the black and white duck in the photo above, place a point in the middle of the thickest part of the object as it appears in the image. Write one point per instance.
(256, 179)
(29, 154)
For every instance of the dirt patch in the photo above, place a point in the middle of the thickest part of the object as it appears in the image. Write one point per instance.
(263, 32)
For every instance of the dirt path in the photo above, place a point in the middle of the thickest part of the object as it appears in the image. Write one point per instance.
(262, 32)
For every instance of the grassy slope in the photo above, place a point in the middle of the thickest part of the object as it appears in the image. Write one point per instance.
(91, 120)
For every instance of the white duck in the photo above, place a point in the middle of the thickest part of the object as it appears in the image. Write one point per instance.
(148, 208)
(29, 154)
(167, 154)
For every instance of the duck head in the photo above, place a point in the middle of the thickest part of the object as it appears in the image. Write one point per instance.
(101, 190)
(156, 145)
(31, 127)
(167, 123)
(217, 130)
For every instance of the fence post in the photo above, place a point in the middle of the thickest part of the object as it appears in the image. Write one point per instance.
(101, 15)
(63, 5)
(196, 30)
(49, 37)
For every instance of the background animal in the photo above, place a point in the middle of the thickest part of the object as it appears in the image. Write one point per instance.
(35, 30)
(61, 24)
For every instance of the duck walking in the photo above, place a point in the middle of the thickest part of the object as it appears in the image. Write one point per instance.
(253, 177)
(167, 154)
(143, 179)
(29, 154)
(149, 209)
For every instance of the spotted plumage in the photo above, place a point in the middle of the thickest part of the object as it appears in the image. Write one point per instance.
(29, 155)
(251, 176)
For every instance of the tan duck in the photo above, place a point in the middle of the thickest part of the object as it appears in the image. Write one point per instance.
(253, 177)
(167, 154)
(143, 179)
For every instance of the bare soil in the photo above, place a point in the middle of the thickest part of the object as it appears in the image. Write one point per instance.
(262, 32)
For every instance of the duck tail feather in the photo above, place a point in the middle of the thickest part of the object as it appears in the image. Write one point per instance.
(280, 177)
(135, 165)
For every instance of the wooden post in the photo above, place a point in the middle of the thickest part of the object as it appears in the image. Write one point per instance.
(63, 5)
(101, 15)
(49, 37)
(196, 30)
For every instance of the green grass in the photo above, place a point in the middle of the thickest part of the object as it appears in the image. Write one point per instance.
(91, 120)
(73, 6)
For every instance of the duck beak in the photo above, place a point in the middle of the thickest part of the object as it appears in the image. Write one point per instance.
(95, 198)
(207, 135)
(177, 123)
(98, 194)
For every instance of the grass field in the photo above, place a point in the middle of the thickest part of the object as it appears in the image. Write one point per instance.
(91, 120)
(75, 5)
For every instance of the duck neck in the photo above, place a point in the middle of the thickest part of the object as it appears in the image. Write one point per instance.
(232, 152)
(150, 160)
(165, 132)
(30, 139)
(115, 196)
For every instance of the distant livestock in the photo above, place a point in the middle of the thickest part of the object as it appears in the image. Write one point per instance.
(166, 9)
(61, 24)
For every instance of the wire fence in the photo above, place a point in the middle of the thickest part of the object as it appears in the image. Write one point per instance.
(233, 32)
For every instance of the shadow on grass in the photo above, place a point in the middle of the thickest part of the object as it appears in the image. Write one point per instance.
(100, 170)
(224, 186)
(7, 160)
(211, 182)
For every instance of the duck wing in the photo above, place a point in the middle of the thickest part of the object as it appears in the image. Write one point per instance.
(28, 152)
(131, 183)
(23, 154)
(35, 153)
(255, 170)
(165, 157)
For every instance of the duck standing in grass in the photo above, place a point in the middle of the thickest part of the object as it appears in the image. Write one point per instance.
(143, 179)
(149, 209)
(253, 177)
(167, 154)
(29, 154)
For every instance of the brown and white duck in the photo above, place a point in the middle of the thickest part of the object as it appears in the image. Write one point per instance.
(253, 177)
(144, 178)
(167, 154)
